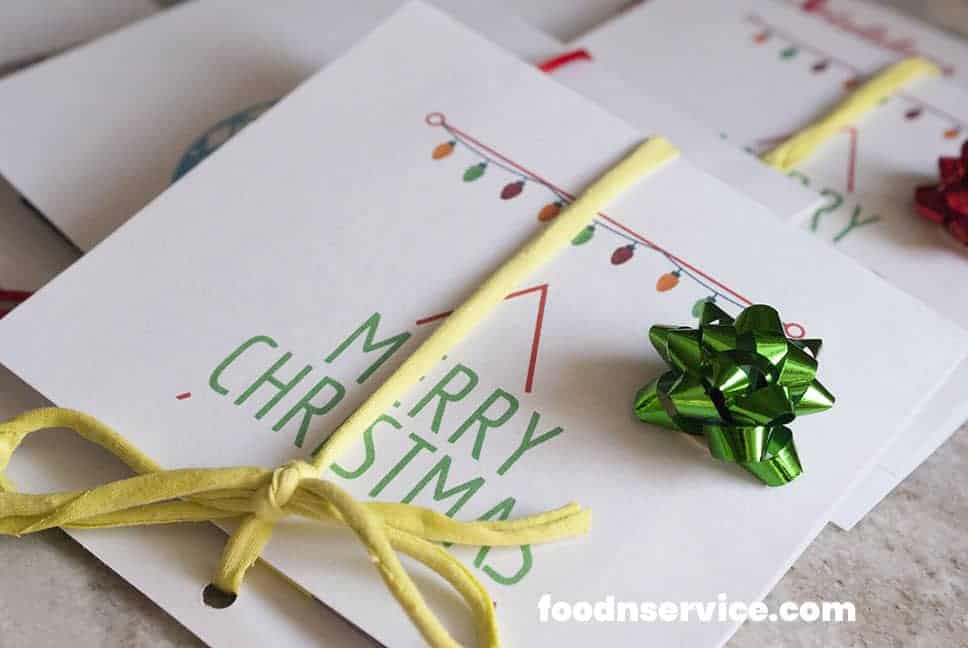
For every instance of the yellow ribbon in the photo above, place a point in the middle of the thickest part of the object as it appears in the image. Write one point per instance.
(802, 145)
(259, 498)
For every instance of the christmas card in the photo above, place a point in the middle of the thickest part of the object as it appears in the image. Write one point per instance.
(760, 70)
(230, 65)
(251, 307)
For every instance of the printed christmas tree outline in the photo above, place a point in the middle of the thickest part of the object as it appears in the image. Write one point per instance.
(542, 291)
(853, 145)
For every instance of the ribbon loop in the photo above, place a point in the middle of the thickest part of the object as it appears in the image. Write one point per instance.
(262, 498)
(738, 384)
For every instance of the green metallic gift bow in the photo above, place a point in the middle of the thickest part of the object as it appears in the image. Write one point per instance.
(737, 383)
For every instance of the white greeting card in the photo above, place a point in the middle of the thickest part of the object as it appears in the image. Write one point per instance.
(773, 69)
(230, 65)
(30, 28)
(251, 307)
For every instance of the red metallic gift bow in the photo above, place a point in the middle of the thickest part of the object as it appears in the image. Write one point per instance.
(946, 202)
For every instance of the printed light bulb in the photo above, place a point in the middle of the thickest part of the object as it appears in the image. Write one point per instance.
(623, 254)
(474, 171)
(512, 189)
(699, 305)
(443, 149)
(584, 236)
(668, 281)
(549, 212)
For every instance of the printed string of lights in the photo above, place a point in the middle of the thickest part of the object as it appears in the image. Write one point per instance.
(793, 46)
(631, 240)
(666, 282)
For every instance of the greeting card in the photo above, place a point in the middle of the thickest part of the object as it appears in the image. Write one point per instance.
(774, 69)
(250, 308)
(231, 64)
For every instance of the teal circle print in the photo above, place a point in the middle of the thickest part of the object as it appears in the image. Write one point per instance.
(209, 141)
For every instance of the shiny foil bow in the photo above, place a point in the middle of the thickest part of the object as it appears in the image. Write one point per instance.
(737, 383)
(946, 203)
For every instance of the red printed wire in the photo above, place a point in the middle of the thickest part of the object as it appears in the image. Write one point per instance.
(851, 159)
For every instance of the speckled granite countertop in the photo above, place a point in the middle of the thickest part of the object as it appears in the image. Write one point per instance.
(905, 566)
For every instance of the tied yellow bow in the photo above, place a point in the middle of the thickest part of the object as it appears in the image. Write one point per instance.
(258, 498)
(261, 498)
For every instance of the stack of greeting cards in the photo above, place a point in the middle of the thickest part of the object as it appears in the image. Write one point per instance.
(248, 309)
(760, 70)
(302, 193)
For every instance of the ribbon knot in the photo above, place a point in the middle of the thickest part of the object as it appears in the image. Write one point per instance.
(271, 500)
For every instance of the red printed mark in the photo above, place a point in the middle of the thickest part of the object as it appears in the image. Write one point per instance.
(183, 395)
(851, 152)
(851, 158)
(562, 60)
(542, 291)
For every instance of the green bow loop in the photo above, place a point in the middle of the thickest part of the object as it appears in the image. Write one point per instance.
(738, 383)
